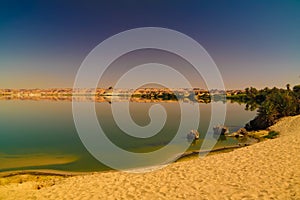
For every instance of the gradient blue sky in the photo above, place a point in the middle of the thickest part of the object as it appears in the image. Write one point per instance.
(254, 43)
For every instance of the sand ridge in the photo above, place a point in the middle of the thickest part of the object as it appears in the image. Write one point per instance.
(266, 170)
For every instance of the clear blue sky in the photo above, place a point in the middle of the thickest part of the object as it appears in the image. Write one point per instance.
(254, 43)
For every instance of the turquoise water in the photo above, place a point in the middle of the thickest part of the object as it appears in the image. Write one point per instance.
(42, 134)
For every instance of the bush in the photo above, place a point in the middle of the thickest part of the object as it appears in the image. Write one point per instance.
(271, 135)
(276, 103)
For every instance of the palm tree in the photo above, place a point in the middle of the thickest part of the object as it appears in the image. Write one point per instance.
(288, 86)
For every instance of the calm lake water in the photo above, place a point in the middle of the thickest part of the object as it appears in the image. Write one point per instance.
(42, 134)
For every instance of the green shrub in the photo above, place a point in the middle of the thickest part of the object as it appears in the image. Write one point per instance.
(272, 135)
(273, 104)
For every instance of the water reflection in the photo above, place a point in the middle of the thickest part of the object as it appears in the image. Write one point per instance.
(46, 128)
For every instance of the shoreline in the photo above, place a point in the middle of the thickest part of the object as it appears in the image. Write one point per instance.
(42, 172)
(265, 170)
(181, 158)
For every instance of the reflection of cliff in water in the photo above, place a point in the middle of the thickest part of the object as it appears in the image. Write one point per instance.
(103, 99)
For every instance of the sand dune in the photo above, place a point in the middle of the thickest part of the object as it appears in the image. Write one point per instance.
(266, 170)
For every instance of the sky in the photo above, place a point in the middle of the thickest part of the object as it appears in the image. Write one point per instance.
(253, 43)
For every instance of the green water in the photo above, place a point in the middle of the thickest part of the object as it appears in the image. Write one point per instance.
(42, 134)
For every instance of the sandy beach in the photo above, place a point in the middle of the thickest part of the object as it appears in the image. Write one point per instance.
(266, 170)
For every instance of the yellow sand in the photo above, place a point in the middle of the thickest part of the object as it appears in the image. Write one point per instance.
(266, 170)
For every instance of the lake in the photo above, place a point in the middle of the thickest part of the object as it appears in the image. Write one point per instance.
(42, 134)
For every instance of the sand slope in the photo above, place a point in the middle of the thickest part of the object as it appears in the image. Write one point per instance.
(267, 170)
